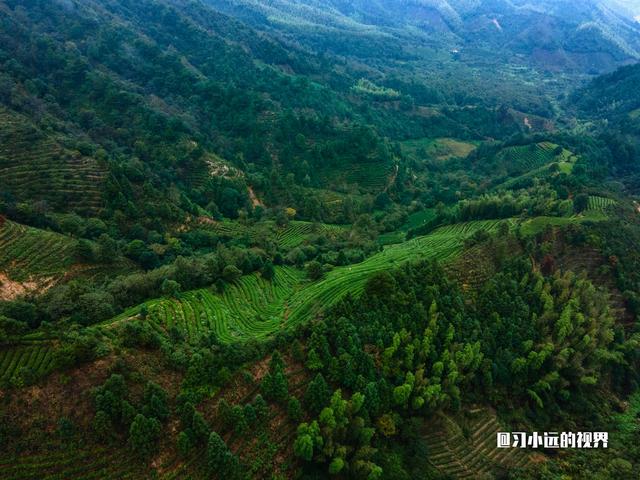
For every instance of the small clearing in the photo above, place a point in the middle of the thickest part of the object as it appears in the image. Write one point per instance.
(437, 148)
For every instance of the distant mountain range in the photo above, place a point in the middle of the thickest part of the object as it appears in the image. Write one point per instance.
(589, 35)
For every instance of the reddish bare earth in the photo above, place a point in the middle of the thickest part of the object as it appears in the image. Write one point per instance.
(10, 290)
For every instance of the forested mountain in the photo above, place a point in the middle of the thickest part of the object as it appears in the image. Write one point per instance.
(590, 35)
(170, 92)
(314, 239)
(611, 96)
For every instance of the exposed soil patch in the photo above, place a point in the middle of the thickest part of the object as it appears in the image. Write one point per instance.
(62, 394)
(206, 220)
(255, 201)
(10, 289)
(219, 168)
(151, 366)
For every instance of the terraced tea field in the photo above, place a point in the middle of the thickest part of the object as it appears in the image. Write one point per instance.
(523, 158)
(85, 464)
(297, 232)
(36, 357)
(95, 463)
(254, 308)
(474, 456)
(370, 177)
(537, 225)
(531, 161)
(443, 244)
(29, 253)
(419, 218)
(227, 229)
(251, 308)
(35, 167)
(294, 234)
(600, 203)
(414, 220)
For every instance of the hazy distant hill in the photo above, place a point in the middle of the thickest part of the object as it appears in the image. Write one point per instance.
(590, 36)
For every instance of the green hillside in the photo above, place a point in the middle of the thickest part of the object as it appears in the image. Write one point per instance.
(35, 167)
(318, 239)
(254, 308)
(29, 253)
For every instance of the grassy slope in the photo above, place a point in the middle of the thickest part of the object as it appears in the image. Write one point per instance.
(437, 148)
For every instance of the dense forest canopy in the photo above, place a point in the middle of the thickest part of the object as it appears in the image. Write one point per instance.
(315, 239)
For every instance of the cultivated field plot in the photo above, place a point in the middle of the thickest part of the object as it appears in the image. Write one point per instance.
(414, 220)
(86, 464)
(530, 161)
(254, 308)
(369, 177)
(443, 244)
(228, 229)
(27, 253)
(527, 157)
(297, 232)
(600, 203)
(36, 358)
(36, 167)
(470, 457)
(536, 225)
(251, 308)
(294, 234)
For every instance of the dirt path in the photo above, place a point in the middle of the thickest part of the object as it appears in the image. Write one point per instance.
(393, 177)
(255, 201)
